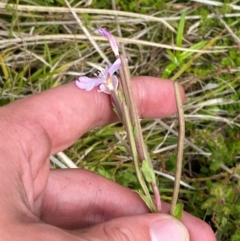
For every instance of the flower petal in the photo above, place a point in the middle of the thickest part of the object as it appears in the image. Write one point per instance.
(104, 73)
(104, 88)
(107, 87)
(114, 82)
(88, 84)
(114, 67)
(84, 86)
(110, 70)
(104, 33)
(85, 79)
(111, 39)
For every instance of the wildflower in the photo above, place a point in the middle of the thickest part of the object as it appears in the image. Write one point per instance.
(111, 39)
(106, 80)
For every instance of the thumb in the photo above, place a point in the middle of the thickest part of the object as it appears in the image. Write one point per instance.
(148, 227)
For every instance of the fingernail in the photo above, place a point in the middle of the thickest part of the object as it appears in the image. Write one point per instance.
(168, 229)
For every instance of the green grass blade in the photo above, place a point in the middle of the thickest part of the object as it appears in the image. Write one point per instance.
(180, 30)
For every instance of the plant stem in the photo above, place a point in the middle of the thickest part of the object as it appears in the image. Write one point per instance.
(181, 137)
(128, 94)
(120, 105)
(136, 131)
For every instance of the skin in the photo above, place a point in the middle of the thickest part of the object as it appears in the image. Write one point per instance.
(73, 204)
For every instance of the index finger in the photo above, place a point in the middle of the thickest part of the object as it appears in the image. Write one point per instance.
(66, 112)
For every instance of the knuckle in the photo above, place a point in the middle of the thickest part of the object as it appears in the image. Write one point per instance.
(118, 234)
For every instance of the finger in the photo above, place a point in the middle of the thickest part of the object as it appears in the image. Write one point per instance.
(141, 228)
(198, 229)
(148, 227)
(66, 112)
(78, 198)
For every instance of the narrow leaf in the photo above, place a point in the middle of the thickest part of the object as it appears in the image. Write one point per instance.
(147, 171)
(196, 46)
(178, 210)
(180, 30)
(148, 202)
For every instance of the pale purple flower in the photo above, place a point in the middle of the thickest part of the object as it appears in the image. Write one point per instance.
(106, 80)
(111, 39)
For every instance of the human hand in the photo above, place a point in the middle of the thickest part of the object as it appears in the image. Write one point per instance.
(74, 204)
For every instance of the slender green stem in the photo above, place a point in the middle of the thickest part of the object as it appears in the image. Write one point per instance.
(128, 94)
(180, 147)
(129, 129)
(136, 131)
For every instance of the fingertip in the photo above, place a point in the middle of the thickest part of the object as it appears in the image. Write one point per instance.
(147, 227)
(168, 228)
(197, 228)
(155, 97)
